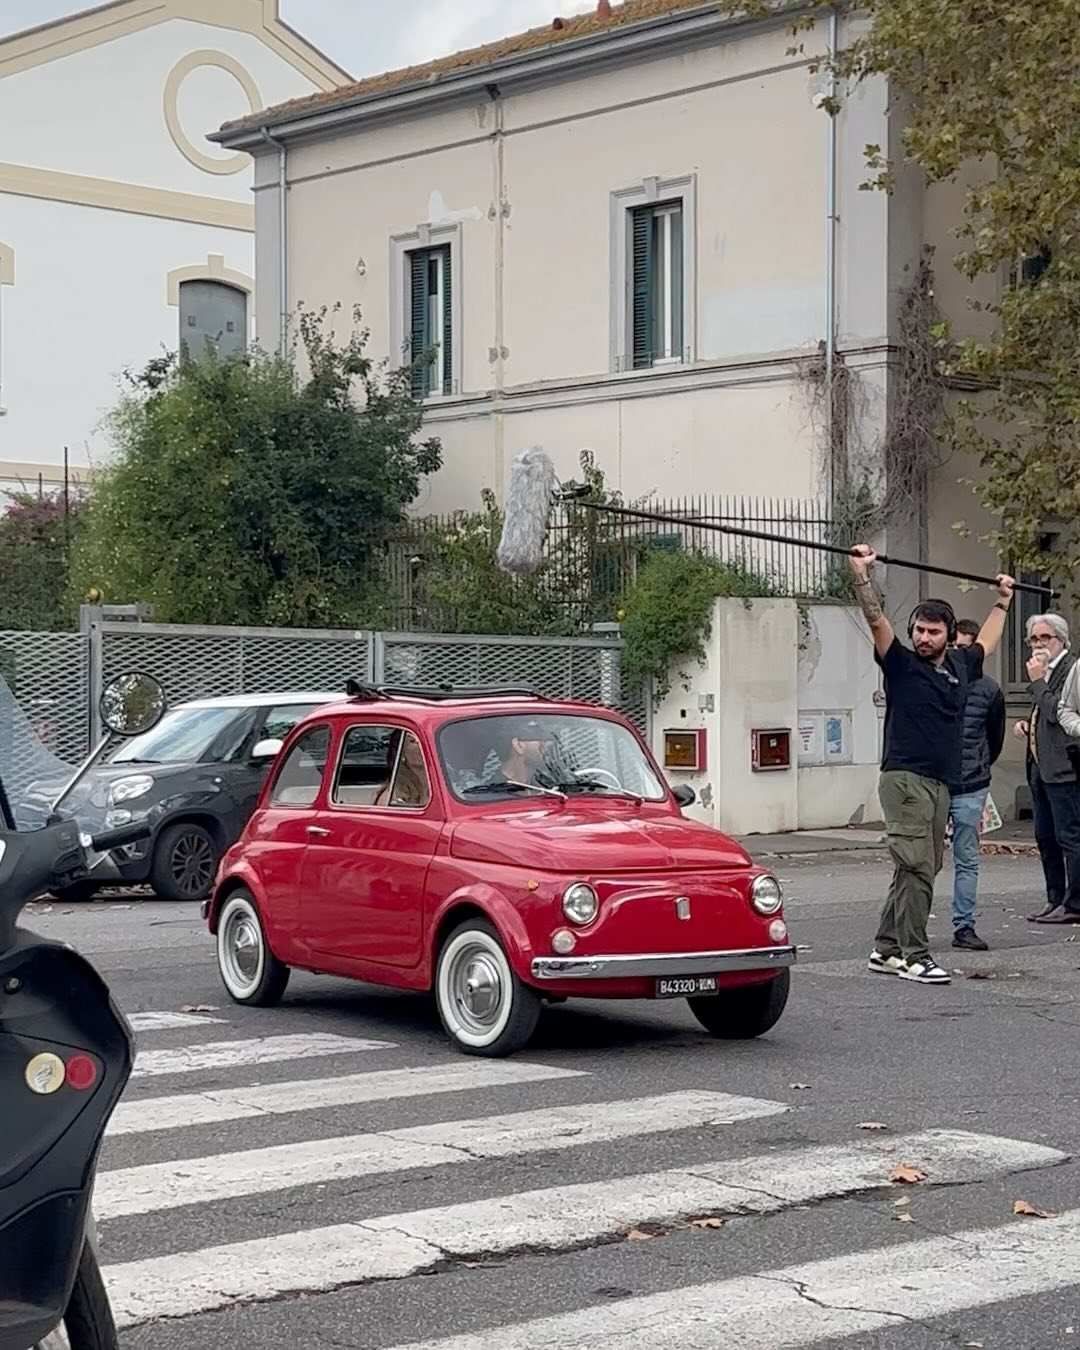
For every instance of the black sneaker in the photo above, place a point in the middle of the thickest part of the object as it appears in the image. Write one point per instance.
(969, 940)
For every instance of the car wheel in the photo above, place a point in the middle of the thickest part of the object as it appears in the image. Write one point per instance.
(249, 970)
(185, 863)
(484, 1007)
(743, 1013)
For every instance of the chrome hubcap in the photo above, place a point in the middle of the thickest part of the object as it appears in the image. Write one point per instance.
(242, 947)
(477, 987)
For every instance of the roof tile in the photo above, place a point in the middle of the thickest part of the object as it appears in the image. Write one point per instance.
(535, 39)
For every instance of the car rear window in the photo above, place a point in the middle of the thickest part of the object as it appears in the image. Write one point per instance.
(301, 773)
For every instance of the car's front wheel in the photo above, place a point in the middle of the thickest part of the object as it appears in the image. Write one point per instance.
(185, 862)
(484, 1007)
(249, 970)
(743, 1013)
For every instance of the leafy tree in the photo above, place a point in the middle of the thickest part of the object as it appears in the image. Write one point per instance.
(245, 492)
(991, 88)
(36, 539)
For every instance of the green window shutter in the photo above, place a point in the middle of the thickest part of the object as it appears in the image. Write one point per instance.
(448, 323)
(643, 274)
(419, 308)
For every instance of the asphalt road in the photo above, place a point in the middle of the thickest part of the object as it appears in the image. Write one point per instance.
(228, 1223)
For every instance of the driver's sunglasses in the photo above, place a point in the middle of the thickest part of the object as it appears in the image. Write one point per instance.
(1037, 638)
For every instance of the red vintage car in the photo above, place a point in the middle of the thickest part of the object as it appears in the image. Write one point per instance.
(502, 850)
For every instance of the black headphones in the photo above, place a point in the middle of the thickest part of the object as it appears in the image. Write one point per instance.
(950, 620)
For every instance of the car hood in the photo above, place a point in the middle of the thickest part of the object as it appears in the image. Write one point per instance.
(92, 788)
(593, 840)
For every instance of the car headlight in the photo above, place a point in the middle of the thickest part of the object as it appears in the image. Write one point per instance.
(766, 895)
(127, 789)
(579, 903)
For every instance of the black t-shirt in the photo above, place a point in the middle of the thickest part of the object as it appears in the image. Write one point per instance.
(924, 710)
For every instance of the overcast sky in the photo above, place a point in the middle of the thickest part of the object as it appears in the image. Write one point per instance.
(367, 36)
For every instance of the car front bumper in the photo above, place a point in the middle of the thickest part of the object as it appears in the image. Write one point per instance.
(665, 963)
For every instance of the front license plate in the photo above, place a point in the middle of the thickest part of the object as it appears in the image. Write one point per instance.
(686, 986)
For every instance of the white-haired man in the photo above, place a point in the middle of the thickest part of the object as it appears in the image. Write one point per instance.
(1055, 793)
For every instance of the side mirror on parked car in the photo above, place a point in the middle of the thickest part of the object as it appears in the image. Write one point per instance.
(266, 749)
(684, 794)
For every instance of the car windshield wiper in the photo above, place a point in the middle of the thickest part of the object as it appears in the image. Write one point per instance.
(602, 789)
(511, 785)
(135, 761)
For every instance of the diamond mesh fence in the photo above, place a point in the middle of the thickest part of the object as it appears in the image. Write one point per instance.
(216, 662)
(579, 668)
(44, 704)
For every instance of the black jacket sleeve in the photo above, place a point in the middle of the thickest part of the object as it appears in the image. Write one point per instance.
(995, 725)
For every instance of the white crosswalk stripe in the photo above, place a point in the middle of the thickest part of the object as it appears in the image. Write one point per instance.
(155, 1165)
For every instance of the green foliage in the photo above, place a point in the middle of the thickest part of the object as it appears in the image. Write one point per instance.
(245, 492)
(36, 539)
(991, 89)
(462, 589)
(668, 614)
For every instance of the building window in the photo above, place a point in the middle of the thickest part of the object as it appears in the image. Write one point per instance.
(1024, 607)
(1029, 267)
(431, 322)
(653, 274)
(657, 283)
(425, 307)
(212, 314)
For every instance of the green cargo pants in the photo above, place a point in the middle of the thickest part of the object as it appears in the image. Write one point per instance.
(916, 813)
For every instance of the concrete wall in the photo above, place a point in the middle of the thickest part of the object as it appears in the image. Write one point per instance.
(768, 667)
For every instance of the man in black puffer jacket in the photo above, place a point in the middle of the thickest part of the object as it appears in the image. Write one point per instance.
(984, 736)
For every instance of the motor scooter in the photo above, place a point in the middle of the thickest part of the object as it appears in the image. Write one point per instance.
(66, 1053)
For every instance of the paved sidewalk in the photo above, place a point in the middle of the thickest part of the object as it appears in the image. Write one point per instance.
(1014, 837)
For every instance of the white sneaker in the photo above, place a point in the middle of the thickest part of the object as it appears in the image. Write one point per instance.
(888, 965)
(924, 972)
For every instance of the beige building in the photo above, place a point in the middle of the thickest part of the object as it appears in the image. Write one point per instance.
(638, 231)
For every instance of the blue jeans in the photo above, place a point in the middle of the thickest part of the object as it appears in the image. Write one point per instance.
(965, 812)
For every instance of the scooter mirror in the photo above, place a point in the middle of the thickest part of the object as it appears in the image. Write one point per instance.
(132, 703)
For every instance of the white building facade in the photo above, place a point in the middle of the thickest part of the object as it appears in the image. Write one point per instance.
(123, 231)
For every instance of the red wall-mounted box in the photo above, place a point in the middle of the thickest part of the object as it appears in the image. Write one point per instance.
(685, 751)
(770, 749)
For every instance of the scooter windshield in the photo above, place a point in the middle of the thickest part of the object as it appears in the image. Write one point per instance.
(34, 775)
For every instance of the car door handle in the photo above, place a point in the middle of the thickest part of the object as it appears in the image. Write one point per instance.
(317, 832)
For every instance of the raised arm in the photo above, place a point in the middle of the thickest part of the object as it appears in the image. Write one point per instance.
(863, 558)
(991, 632)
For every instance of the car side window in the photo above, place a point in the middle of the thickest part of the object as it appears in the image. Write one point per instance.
(366, 764)
(411, 787)
(300, 776)
(278, 722)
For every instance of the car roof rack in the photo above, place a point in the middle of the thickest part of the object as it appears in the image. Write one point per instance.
(360, 692)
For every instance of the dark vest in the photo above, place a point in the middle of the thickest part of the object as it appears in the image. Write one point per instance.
(981, 694)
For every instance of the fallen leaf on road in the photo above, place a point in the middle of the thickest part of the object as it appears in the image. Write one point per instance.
(904, 1218)
(871, 1125)
(907, 1175)
(803, 947)
(973, 1345)
(198, 1007)
(636, 1235)
(710, 1222)
(901, 1200)
(1023, 1207)
(800, 1087)
(981, 975)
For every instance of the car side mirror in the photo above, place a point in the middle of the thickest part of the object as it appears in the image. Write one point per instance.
(267, 749)
(684, 794)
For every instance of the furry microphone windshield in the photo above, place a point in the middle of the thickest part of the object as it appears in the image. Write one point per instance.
(532, 488)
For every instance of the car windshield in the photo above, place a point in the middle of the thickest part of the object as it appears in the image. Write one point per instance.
(519, 754)
(181, 737)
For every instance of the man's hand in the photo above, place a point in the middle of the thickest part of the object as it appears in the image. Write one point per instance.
(993, 629)
(862, 559)
(1036, 666)
(1022, 730)
(1005, 585)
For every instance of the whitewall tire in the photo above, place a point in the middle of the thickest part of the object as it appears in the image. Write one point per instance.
(485, 1009)
(249, 970)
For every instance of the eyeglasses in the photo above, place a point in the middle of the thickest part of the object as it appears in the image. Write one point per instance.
(1042, 637)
